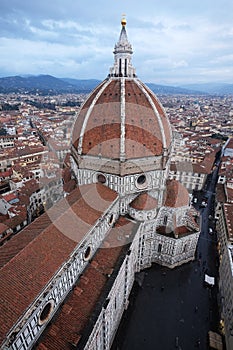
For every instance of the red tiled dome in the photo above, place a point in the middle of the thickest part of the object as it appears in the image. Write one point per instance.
(122, 119)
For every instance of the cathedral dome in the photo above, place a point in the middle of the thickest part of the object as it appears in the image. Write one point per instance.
(122, 120)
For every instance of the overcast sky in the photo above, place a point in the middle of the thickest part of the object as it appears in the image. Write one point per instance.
(174, 41)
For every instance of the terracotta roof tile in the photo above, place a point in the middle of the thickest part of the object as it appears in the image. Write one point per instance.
(3, 228)
(144, 202)
(37, 252)
(20, 241)
(72, 321)
(102, 135)
(79, 121)
(162, 114)
(69, 186)
(176, 194)
(221, 193)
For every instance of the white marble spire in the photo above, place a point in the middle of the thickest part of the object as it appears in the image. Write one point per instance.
(122, 56)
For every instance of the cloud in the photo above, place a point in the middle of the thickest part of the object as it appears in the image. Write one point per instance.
(76, 39)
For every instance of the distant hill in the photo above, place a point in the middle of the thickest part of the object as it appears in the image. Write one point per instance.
(171, 90)
(40, 83)
(90, 84)
(211, 88)
(86, 85)
(47, 84)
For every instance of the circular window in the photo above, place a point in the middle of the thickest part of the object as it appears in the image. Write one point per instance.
(141, 181)
(87, 253)
(46, 312)
(101, 178)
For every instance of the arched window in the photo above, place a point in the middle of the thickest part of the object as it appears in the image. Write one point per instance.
(159, 248)
(165, 220)
(111, 219)
(120, 71)
(126, 68)
(87, 253)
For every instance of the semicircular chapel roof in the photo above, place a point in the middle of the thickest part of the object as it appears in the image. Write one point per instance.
(144, 202)
(176, 194)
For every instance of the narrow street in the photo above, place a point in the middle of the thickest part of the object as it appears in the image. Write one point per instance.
(174, 309)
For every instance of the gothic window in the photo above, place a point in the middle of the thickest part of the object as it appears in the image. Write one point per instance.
(87, 253)
(165, 220)
(159, 248)
(120, 72)
(111, 219)
(126, 67)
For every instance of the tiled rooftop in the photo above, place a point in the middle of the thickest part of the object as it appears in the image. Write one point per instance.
(144, 202)
(31, 258)
(70, 328)
(176, 194)
(221, 193)
(228, 209)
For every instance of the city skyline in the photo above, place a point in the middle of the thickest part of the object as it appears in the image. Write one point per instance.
(173, 43)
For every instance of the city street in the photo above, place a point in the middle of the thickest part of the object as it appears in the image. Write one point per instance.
(174, 309)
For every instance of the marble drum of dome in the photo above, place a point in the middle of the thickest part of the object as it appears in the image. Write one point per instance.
(122, 128)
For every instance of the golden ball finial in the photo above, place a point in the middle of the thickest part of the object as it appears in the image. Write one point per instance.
(123, 20)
